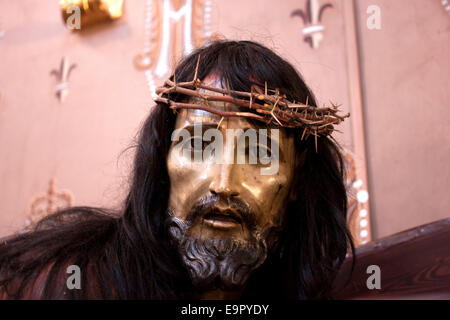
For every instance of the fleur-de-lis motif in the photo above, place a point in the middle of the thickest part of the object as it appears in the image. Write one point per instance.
(46, 204)
(62, 75)
(312, 17)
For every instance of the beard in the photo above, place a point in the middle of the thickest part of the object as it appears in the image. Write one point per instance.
(221, 262)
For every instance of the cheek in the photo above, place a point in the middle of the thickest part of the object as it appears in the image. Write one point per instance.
(187, 182)
(269, 193)
(176, 177)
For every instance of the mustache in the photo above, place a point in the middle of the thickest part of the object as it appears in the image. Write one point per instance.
(210, 203)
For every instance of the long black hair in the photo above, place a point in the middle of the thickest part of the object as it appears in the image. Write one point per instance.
(128, 255)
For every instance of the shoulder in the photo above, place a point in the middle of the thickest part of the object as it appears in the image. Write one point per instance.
(55, 283)
(65, 249)
(29, 287)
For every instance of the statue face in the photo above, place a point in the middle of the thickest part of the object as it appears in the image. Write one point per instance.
(226, 212)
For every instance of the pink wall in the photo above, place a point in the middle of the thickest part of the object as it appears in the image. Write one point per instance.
(406, 70)
(404, 67)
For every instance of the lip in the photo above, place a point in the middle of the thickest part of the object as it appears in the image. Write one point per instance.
(222, 219)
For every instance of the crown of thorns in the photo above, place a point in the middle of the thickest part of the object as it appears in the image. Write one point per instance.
(268, 106)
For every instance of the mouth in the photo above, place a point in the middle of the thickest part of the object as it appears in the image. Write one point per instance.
(222, 219)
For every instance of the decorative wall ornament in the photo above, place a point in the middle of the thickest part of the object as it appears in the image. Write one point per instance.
(312, 17)
(358, 204)
(90, 12)
(446, 6)
(165, 40)
(62, 75)
(46, 204)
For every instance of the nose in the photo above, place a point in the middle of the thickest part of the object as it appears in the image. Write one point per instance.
(225, 183)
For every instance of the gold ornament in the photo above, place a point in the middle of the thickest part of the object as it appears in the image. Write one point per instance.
(78, 14)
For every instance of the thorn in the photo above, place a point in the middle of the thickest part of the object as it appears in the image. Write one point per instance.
(220, 122)
(304, 131)
(276, 102)
(271, 112)
(315, 138)
(196, 69)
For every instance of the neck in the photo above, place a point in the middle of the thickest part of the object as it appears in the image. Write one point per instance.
(218, 294)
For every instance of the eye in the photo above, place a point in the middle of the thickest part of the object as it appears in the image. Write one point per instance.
(251, 150)
(195, 145)
(264, 151)
(255, 151)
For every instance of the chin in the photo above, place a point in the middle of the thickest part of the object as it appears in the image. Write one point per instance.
(219, 260)
(221, 263)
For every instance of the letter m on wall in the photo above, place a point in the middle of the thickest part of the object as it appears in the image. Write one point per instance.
(178, 26)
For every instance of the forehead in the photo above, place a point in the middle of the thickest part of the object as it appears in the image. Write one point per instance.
(191, 117)
(187, 117)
